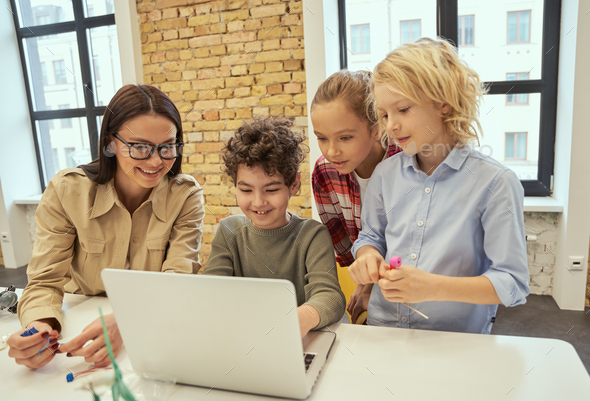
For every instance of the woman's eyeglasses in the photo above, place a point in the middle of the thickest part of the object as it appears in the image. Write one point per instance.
(143, 151)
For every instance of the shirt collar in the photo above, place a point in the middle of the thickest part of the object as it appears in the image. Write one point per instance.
(106, 196)
(454, 160)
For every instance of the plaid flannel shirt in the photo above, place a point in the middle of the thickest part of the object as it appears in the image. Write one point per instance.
(338, 200)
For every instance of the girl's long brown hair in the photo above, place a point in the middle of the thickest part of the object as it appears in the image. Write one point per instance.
(130, 101)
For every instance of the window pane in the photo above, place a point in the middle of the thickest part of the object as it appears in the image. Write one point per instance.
(492, 57)
(59, 54)
(105, 63)
(509, 146)
(512, 26)
(405, 26)
(469, 30)
(522, 98)
(43, 12)
(54, 140)
(459, 30)
(355, 39)
(521, 145)
(497, 118)
(366, 37)
(415, 30)
(93, 8)
(524, 26)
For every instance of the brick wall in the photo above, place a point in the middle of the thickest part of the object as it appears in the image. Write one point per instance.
(224, 62)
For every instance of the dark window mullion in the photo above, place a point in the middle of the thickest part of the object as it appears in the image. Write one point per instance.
(522, 86)
(447, 15)
(84, 52)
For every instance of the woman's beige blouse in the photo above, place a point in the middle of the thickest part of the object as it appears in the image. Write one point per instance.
(82, 228)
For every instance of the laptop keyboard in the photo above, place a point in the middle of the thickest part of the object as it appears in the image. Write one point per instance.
(308, 360)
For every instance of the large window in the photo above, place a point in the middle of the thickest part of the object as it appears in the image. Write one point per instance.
(360, 38)
(465, 33)
(410, 30)
(516, 57)
(519, 27)
(520, 98)
(61, 49)
(515, 146)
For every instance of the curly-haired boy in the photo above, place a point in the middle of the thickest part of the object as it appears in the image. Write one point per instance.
(263, 160)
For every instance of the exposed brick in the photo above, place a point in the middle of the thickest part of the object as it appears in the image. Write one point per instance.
(233, 124)
(291, 43)
(235, 26)
(239, 70)
(217, 50)
(274, 67)
(205, 41)
(275, 89)
(225, 94)
(296, 30)
(300, 99)
(171, 24)
(201, 52)
(206, 73)
(276, 111)
(280, 77)
(185, 54)
(242, 102)
(209, 104)
(237, 59)
(242, 92)
(259, 90)
(203, 62)
(239, 81)
(208, 83)
(276, 100)
(211, 137)
(227, 114)
(146, 7)
(218, 28)
(146, 28)
(203, 19)
(269, 22)
(291, 19)
(267, 11)
(186, 11)
(273, 44)
(261, 111)
(186, 32)
(256, 68)
(173, 44)
(211, 115)
(235, 15)
(171, 34)
(209, 126)
(155, 15)
(252, 25)
(202, 30)
(294, 87)
(292, 65)
(235, 4)
(293, 111)
(239, 37)
(158, 57)
(189, 75)
(170, 13)
(277, 32)
(273, 56)
(244, 113)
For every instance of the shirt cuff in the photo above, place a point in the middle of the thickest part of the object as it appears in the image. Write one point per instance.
(43, 312)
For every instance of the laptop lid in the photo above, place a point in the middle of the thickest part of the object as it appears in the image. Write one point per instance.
(230, 333)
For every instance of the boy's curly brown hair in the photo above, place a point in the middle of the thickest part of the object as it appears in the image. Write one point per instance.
(266, 143)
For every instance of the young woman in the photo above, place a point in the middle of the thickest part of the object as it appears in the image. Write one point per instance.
(347, 129)
(129, 209)
(453, 215)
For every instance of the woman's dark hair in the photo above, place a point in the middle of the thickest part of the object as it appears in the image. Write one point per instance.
(269, 144)
(130, 101)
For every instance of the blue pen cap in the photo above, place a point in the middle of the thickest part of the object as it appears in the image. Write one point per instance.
(29, 332)
(70, 377)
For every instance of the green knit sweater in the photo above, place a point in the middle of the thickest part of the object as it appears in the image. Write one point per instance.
(300, 252)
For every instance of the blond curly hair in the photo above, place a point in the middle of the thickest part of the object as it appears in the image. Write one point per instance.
(431, 69)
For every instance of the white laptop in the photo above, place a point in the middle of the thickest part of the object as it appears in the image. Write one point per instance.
(228, 333)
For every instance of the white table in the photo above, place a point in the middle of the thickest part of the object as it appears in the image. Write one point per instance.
(366, 363)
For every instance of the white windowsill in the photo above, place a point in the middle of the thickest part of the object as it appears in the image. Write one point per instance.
(531, 203)
(542, 204)
(31, 200)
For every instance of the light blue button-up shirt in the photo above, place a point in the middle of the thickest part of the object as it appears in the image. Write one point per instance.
(464, 220)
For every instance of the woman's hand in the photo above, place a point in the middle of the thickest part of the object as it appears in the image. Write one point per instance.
(309, 318)
(366, 268)
(408, 284)
(95, 351)
(25, 350)
(359, 301)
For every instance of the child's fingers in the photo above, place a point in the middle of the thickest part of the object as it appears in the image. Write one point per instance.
(352, 274)
(90, 349)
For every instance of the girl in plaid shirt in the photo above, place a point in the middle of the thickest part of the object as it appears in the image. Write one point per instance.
(347, 129)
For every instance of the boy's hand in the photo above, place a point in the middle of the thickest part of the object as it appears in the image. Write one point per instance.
(365, 269)
(96, 350)
(309, 318)
(359, 301)
(407, 284)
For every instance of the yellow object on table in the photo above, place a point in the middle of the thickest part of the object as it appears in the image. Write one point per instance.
(348, 286)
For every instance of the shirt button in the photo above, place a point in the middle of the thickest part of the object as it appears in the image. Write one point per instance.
(404, 319)
(427, 190)
(413, 256)
(135, 240)
(420, 223)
